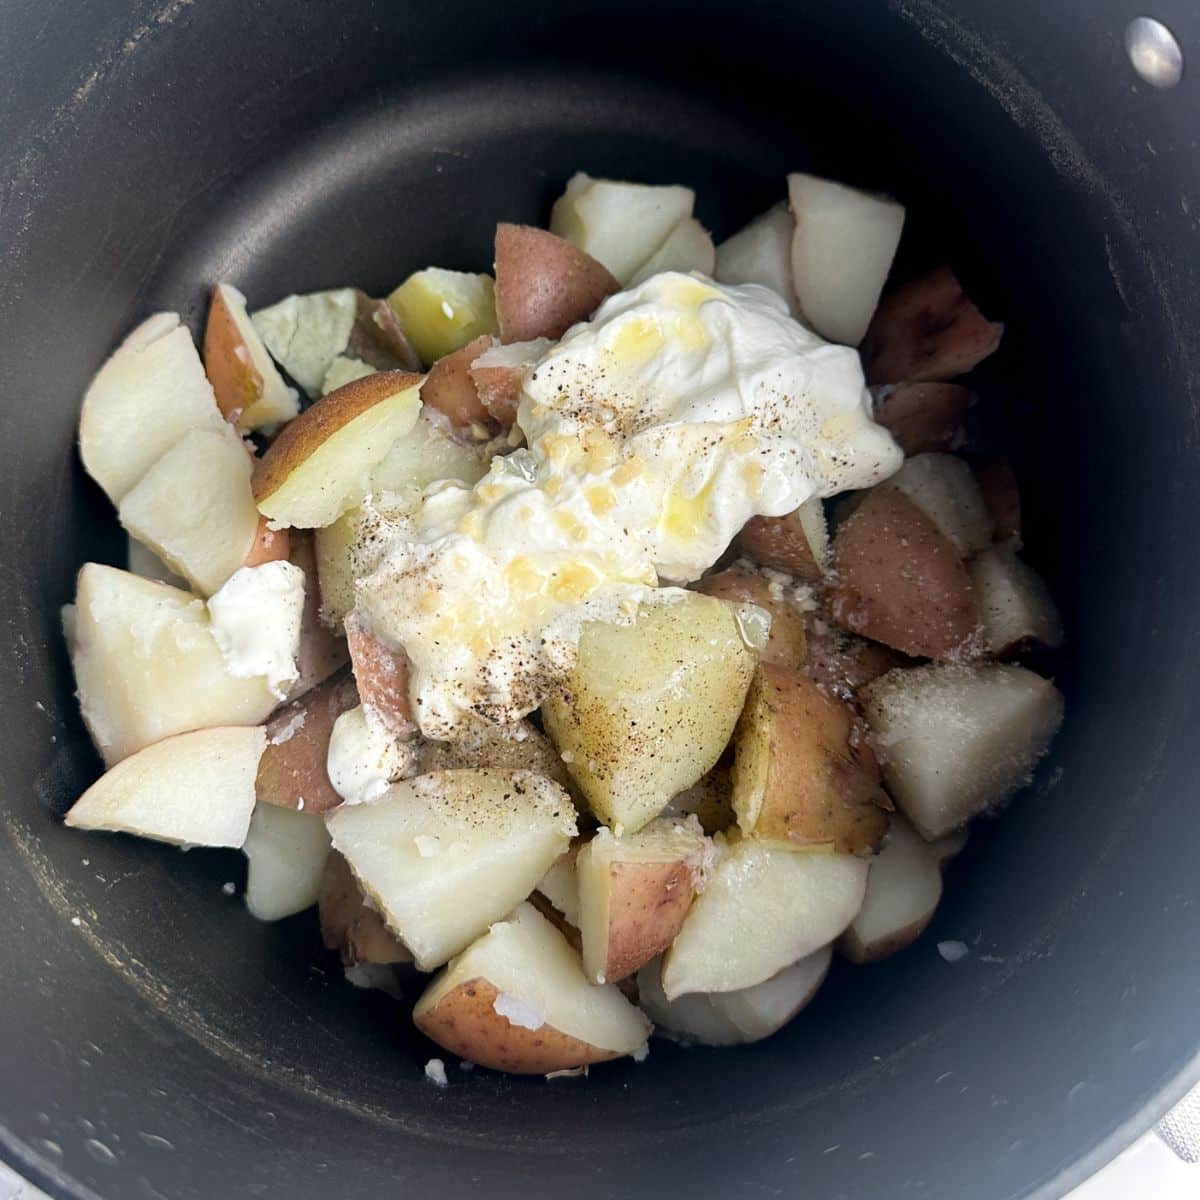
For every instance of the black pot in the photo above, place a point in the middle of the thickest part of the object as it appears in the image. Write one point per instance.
(156, 1041)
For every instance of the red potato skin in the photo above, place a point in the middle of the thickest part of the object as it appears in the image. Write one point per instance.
(322, 651)
(786, 642)
(781, 544)
(235, 380)
(269, 545)
(450, 388)
(843, 662)
(382, 676)
(998, 483)
(378, 339)
(898, 579)
(499, 391)
(924, 416)
(637, 934)
(927, 330)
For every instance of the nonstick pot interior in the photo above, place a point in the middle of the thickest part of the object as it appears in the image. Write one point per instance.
(155, 1040)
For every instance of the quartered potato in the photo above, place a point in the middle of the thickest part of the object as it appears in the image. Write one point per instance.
(689, 247)
(450, 390)
(357, 932)
(923, 416)
(1016, 609)
(740, 583)
(761, 252)
(944, 489)
(797, 544)
(322, 652)
(286, 851)
(441, 311)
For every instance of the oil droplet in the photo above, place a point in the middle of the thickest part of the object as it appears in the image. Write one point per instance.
(100, 1152)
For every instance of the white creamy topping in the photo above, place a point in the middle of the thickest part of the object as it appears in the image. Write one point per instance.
(256, 618)
(364, 759)
(654, 432)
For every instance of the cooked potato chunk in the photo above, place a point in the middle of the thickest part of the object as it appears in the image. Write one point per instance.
(634, 892)
(519, 747)
(446, 854)
(742, 584)
(441, 311)
(956, 740)
(517, 1000)
(842, 662)
(803, 774)
(1015, 605)
(356, 932)
(903, 889)
(689, 247)
(899, 579)
(927, 330)
(322, 652)
(450, 390)
(286, 851)
(923, 416)
(382, 676)
(762, 909)
(797, 544)
(944, 489)
(649, 706)
(761, 253)
(733, 1018)
(499, 374)
(560, 887)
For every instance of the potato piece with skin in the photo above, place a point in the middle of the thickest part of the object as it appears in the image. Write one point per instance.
(195, 510)
(619, 224)
(520, 747)
(797, 544)
(741, 583)
(382, 676)
(322, 652)
(689, 247)
(1016, 609)
(292, 772)
(634, 892)
(709, 799)
(1002, 499)
(943, 487)
(904, 887)
(499, 375)
(648, 707)
(733, 1018)
(194, 789)
(286, 852)
(249, 391)
(927, 330)
(923, 416)
(803, 775)
(761, 910)
(899, 580)
(151, 392)
(378, 339)
(444, 855)
(320, 464)
(441, 311)
(427, 452)
(517, 1001)
(356, 932)
(957, 740)
(761, 252)
(450, 390)
(544, 284)
(842, 662)
(147, 665)
(842, 251)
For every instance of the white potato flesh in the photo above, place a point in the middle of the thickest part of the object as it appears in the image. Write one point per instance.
(560, 886)
(530, 963)
(649, 707)
(286, 851)
(150, 393)
(342, 371)
(425, 453)
(761, 910)
(194, 789)
(444, 855)
(277, 402)
(689, 247)
(946, 490)
(194, 508)
(147, 665)
(619, 224)
(141, 560)
(761, 253)
(955, 740)
(812, 520)
(733, 1018)
(306, 333)
(842, 251)
(1015, 605)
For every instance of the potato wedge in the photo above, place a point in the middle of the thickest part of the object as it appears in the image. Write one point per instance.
(957, 740)
(320, 465)
(741, 583)
(427, 452)
(803, 775)
(899, 579)
(923, 416)
(381, 674)
(147, 665)
(322, 652)
(544, 284)
(709, 799)
(733, 1018)
(927, 330)
(194, 509)
(761, 252)
(150, 392)
(292, 772)
(842, 250)
(1016, 609)
(560, 886)
(450, 390)
(517, 1001)
(499, 374)
(520, 747)
(648, 707)
(904, 887)
(441, 311)
(285, 851)
(797, 544)
(378, 339)
(761, 910)
(444, 855)
(842, 662)
(193, 789)
(249, 391)
(689, 247)
(944, 489)
(356, 932)
(1002, 498)
(634, 892)
(619, 224)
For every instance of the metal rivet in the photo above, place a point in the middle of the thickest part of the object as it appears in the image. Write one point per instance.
(1154, 52)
